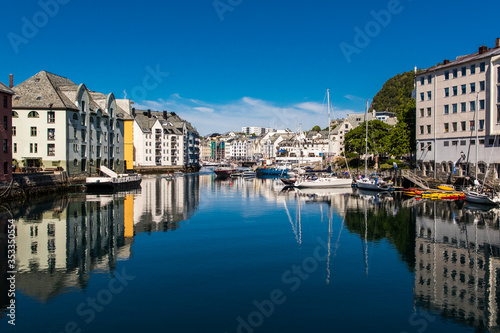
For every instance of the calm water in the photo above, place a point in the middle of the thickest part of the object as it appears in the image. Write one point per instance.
(201, 255)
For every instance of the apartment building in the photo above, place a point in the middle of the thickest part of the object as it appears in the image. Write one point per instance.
(458, 113)
(57, 124)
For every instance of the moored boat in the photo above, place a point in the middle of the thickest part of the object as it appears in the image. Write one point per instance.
(113, 181)
(323, 182)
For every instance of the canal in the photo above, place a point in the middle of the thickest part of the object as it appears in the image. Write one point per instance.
(197, 254)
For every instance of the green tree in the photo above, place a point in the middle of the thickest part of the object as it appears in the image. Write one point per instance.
(378, 138)
(316, 128)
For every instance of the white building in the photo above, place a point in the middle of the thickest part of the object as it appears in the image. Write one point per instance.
(256, 130)
(58, 124)
(449, 98)
(164, 139)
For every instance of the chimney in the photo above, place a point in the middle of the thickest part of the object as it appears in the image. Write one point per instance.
(165, 115)
(497, 43)
(149, 113)
(11, 81)
(482, 49)
(133, 112)
(446, 62)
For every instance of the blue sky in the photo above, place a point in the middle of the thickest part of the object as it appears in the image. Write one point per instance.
(229, 63)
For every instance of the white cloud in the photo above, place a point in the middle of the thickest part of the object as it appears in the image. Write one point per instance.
(231, 116)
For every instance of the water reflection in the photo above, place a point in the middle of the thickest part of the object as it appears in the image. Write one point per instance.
(163, 203)
(457, 263)
(61, 241)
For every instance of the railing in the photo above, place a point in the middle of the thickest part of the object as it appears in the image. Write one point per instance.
(417, 180)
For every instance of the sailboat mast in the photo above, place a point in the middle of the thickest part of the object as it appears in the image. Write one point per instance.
(329, 127)
(366, 140)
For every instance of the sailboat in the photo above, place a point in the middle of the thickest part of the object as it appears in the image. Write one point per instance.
(373, 182)
(479, 196)
(323, 182)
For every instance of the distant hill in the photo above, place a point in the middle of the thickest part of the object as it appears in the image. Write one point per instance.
(396, 94)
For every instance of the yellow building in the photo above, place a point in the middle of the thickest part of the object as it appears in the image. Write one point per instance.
(128, 133)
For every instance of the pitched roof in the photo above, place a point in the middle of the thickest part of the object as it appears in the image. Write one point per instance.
(44, 90)
(144, 122)
(6, 90)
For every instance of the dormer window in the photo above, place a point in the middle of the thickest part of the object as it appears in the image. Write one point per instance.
(33, 114)
(38, 98)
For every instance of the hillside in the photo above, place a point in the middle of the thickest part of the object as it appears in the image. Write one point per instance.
(395, 93)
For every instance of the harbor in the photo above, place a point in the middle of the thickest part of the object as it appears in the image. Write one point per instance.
(251, 254)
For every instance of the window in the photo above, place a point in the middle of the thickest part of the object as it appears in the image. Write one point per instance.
(446, 92)
(455, 73)
(464, 89)
(33, 131)
(91, 120)
(471, 125)
(482, 85)
(473, 105)
(83, 123)
(5, 168)
(464, 71)
(481, 141)
(446, 127)
(51, 149)
(498, 113)
(455, 91)
(5, 101)
(33, 114)
(84, 135)
(454, 143)
(429, 112)
(51, 117)
(446, 109)
(15, 147)
(13, 130)
(472, 142)
(463, 106)
(429, 95)
(51, 134)
(463, 142)
(5, 145)
(455, 108)
(429, 145)
(75, 116)
(5, 122)
(454, 126)
(473, 87)
(473, 69)
(429, 79)
(83, 106)
(421, 129)
(482, 67)
(421, 96)
(422, 81)
(428, 129)
(447, 75)
(463, 125)
(421, 112)
(481, 124)
(15, 114)
(446, 143)
(481, 104)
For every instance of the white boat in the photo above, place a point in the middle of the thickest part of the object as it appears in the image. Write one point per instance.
(323, 182)
(249, 173)
(483, 198)
(113, 181)
(374, 183)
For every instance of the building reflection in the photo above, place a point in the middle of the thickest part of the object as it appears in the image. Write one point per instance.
(60, 242)
(457, 263)
(164, 203)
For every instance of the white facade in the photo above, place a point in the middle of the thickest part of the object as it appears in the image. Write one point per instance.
(449, 98)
